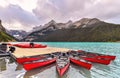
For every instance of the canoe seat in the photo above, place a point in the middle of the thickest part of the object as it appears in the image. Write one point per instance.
(61, 65)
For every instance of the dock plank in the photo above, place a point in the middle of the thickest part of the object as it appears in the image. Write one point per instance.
(23, 52)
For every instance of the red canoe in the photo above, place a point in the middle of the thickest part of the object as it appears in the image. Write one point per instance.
(61, 71)
(93, 59)
(9, 44)
(97, 55)
(62, 64)
(28, 59)
(27, 45)
(81, 63)
(106, 57)
(36, 64)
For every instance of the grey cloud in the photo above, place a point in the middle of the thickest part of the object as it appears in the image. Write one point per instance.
(14, 13)
(46, 11)
(104, 10)
(61, 11)
(64, 10)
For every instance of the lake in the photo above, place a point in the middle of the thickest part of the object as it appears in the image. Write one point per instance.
(10, 69)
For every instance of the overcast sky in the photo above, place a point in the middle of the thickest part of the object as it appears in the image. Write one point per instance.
(25, 14)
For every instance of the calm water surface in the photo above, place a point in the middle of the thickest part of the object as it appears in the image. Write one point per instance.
(10, 69)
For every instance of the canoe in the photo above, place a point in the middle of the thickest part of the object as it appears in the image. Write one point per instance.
(34, 72)
(62, 64)
(4, 54)
(61, 71)
(28, 59)
(9, 44)
(1, 51)
(106, 57)
(97, 55)
(81, 63)
(94, 60)
(39, 63)
(27, 45)
(91, 57)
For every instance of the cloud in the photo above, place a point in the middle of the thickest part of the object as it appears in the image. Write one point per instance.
(64, 10)
(29, 13)
(104, 9)
(60, 10)
(14, 14)
(27, 5)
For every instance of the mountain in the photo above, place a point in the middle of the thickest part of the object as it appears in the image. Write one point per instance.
(19, 34)
(86, 29)
(1, 27)
(85, 22)
(52, 25)
(4, 37)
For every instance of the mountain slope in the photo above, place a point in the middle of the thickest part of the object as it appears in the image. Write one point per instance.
(18, 34)
(4, 37)
(83, 30)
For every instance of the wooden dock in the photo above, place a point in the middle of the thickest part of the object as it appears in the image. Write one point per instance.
(22, 52)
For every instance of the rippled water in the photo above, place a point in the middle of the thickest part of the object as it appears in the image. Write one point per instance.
(10, 69)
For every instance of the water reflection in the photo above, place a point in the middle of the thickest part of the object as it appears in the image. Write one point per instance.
(11, 60)
(4, 61)
(101, 70)
(2, 64)
(115, 63)
(84, 72)
(101, 67)
(19, 67)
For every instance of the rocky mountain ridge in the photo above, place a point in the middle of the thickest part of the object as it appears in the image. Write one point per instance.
(86, 29)
(52, 25)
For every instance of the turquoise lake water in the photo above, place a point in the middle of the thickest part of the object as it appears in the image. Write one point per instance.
(10, 69)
